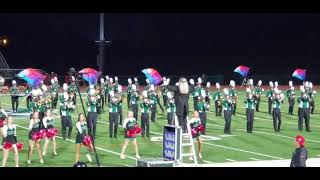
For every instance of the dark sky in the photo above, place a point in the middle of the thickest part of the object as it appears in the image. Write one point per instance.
(172, 43)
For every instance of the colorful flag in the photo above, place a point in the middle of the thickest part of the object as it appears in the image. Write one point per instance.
(300, 74)
(242, 70)
(32, 76)
(153, 75)
(90, 75)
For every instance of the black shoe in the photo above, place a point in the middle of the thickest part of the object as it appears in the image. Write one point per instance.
(115, 136)
(308, 130)
(110, 136)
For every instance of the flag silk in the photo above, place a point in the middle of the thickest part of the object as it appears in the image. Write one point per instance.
(300, 74)
(32, 76)
(153, 75)
(242, 70)
(90, 75)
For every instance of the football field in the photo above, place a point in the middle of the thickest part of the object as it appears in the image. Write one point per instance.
(262, 144)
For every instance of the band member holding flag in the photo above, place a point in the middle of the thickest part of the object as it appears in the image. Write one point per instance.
(291, 97)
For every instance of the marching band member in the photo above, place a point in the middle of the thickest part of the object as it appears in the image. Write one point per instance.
(145, 108)
(269, 96)
(208, 96)
(110, 87)
(291, 97)
(102, 90)
(234, 96)
(27, 92)
(197, 93)
(277, 100)
(227, 111)
(92, 112)
(115, 85)
(113, 114)
(136, 83)
(34, 127)
(14, 92)
(9, 132)
(250, 107)
(153, 102)
(304, 110)
(195, 122)
(72, 89)
(171, 109)
(134, 98)
(66, 108)
(147, 88)
(129, 92)
(217, 100)
(257, 94)
(81, 127)
(201, 108)
(120, 101)
(48, 124)
(43, 103)
(129, 124)
(54, 90)
(164, 91)
(311, 94)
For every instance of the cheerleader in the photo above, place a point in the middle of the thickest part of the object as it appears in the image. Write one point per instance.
(129, 123)
(81, 127)
(34, 127)
(48, 124)
(195, 122)
(10, 136)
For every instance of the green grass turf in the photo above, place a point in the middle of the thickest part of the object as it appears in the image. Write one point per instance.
(263, 144)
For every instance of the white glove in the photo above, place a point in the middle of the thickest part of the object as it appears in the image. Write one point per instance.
(191, 81)
(167, 81)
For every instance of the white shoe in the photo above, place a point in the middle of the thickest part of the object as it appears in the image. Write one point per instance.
(200, 156)
(89, 157)
(17, 165)
(44, 153)
(137, 156)
(55, 153)
(122, 156)
(41, 161)
(191, 158)
(28, 162)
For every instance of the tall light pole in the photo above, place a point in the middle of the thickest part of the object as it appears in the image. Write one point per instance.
(102, 42)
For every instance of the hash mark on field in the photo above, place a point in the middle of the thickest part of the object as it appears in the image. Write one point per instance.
(209, 162)
(231, 160)
(255, 159)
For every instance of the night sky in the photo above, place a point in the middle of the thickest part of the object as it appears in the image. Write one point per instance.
(175, 44)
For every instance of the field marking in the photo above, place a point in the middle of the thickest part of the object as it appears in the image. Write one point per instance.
(231, 160)
(128, 165)
(102, 149)
(255, 159)
(278, 135)
(209, 162)
(241, 150)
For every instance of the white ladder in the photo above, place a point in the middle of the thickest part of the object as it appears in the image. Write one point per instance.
(190, 143)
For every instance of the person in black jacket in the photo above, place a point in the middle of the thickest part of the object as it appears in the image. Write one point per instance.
(181, 97)
(300, 155)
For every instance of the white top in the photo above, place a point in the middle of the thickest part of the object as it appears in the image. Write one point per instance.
(44, 121)
(5, 129)
(125, 121)
(78, 126)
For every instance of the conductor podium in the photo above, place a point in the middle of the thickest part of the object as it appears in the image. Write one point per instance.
(170, 149)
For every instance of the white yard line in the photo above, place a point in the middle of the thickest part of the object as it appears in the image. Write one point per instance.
(209, 162)
(241, 150)
(231, 160)
(255, 159)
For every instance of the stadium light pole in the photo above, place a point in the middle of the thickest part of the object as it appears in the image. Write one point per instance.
(101, 43)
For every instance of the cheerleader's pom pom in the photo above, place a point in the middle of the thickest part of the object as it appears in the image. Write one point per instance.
(87, 141)
(193, 132)
(200, 128)
(7, 146)
(19, 146)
